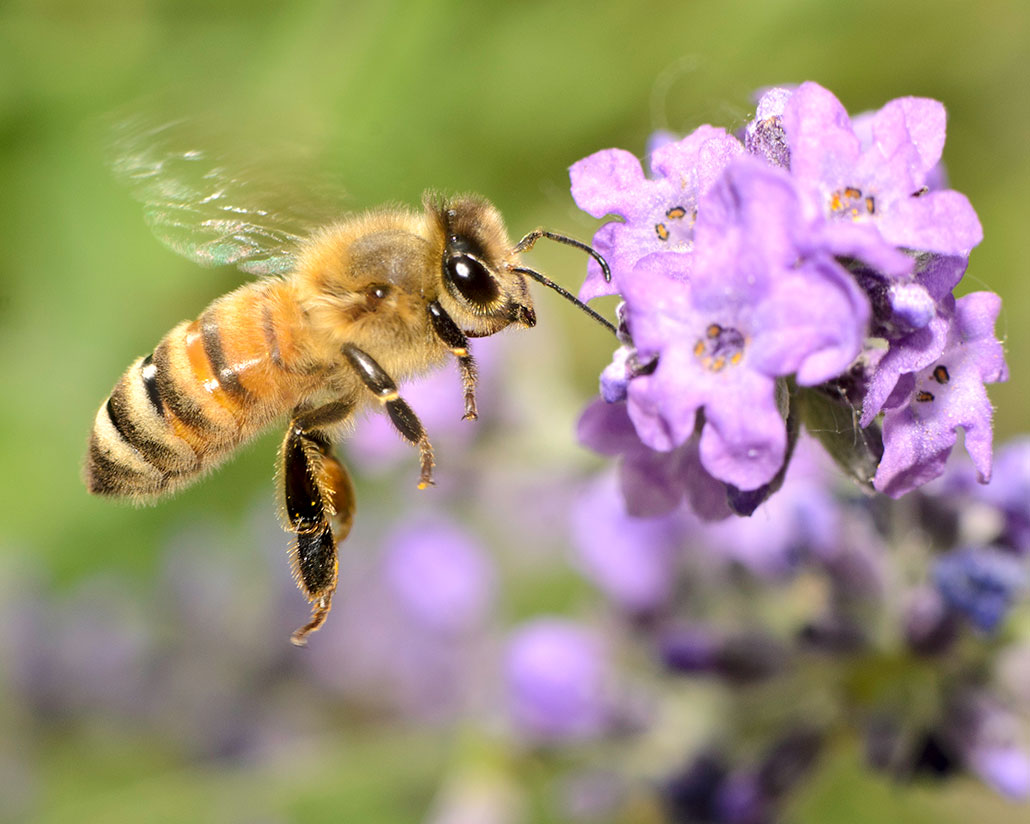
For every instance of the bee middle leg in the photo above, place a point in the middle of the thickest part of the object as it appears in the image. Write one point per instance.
(316, 489)
(404, 418)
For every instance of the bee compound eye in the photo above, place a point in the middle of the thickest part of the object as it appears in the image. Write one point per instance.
(472, 279)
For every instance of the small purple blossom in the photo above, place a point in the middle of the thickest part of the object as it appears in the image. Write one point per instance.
(1009, 491)
(633, 560)
(920, 431)
(658, 212)
(558, 676)
(439, 575)
(875, 194)
(915, 319)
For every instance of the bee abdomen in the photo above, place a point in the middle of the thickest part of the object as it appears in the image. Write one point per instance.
(209, 385)
(133, 450)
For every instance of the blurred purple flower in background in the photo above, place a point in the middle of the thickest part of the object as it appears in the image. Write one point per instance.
(440, 576)
(632, 560)
(558, 678)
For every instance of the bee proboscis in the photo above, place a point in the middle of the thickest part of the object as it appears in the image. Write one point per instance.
(341, 317)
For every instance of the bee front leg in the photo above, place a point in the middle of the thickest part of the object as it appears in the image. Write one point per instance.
(404, 418)
(316, 487)
(455, 340)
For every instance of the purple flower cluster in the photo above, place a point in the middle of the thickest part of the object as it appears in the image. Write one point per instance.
(811, 255)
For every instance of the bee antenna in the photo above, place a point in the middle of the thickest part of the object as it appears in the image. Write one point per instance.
(550, 284)
(529, 240)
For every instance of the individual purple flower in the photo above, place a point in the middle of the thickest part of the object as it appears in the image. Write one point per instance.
(915, 319)
(1009, 491)
(1005, 767)
(558, 676)
(745, 308)
(652, 482)
(632, 560)
(921, 425)
(981, 584)
(659, 212)
(378, 652)
(985, 735)
(876, 194)
(439, 575)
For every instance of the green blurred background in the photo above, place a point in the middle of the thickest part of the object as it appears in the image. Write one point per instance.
(395, 97)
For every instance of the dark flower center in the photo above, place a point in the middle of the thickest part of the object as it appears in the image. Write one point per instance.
(719, 347)
(677, 225)
(850, 202)
(941, 375)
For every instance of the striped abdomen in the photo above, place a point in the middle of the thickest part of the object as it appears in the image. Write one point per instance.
(207, 387)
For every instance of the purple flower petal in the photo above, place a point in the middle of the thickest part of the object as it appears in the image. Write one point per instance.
(653, 482)
(595, 286)
(744, 439)
(602, 181)
(915, 122)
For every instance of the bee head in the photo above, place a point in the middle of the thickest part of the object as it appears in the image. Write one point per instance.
(481, 292)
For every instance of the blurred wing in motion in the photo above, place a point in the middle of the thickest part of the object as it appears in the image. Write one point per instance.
(215, 209)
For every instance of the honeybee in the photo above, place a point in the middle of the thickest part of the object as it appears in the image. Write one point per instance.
(342, 315)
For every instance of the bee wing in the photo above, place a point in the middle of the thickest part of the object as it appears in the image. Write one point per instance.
(215, 211)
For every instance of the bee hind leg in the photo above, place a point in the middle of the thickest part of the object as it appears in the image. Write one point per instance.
(403, 416)
(316, 489)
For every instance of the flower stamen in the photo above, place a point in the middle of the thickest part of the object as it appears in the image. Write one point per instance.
(720, 346)
(851, 202)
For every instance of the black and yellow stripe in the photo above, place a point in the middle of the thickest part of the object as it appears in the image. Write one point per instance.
(208, 385)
